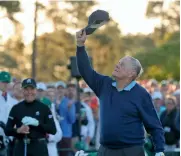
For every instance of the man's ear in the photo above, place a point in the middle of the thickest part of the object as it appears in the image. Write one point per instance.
(132, 74)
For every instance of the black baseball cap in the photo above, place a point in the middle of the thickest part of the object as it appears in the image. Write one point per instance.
(29, 82)
(96, 20)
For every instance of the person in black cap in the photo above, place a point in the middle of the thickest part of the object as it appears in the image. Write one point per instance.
(30, 121)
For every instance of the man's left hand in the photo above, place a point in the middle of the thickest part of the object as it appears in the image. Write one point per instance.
(81, 153)
(160, 154)
(70, 103)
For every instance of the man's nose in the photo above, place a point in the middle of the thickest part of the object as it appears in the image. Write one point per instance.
(117, 66)
(29, 92)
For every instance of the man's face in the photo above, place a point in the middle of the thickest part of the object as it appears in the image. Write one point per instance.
(157, 103)
(60, 91)
(86, 98)
(17, 91)
(123, 69)
(170, 104)
(164, 88)
(40, 93)
(29, 93)
(51, 94)
(71, 92)
(3, 86)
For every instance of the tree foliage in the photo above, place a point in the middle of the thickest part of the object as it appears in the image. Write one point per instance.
(169, 15)
(13, 55)
(54, 50)
(162, 62)
(73, 16)
(158, 52)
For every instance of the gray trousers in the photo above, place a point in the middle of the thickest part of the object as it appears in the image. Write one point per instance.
(131, 151)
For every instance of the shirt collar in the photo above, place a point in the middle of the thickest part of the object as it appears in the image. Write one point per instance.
(127, 88)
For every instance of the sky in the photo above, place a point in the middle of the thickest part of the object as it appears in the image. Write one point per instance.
(130, 14)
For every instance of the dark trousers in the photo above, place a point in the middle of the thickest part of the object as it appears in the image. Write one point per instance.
(64, 144)
(10, 148)
(3, 152)
(130, 151)
(35, 148)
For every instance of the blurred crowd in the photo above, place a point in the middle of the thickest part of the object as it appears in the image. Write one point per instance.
(72, 114)
(166, 99)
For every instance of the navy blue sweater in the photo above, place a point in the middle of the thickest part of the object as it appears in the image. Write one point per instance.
(123, 115)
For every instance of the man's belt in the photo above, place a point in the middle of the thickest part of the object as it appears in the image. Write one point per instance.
(28, 141)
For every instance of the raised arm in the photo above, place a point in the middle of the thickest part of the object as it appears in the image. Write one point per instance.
(91, 77)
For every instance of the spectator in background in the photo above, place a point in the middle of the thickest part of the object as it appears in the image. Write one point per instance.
(153, 86)
(164, 88)
(158, 102)
(172, 86)
(87, 130)
(6, 100)
(41, 90)
(177, 85)
(10, 88)
(17, 92)
(60, 93)
(177, 96)
(67, 113)
(51, 94)
(53, 139)
(168, 118)
(6, 103)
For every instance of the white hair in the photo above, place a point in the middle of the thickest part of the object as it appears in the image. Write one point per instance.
(136, 65)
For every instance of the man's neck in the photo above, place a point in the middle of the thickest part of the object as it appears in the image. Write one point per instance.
(121, 84)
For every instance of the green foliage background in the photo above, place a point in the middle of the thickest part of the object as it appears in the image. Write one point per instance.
(158, 52)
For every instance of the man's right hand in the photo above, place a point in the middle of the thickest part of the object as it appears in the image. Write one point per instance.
(81, 38)
(23, 129)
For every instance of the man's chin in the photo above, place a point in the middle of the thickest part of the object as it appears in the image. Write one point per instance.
(114, 75)
(30, 100)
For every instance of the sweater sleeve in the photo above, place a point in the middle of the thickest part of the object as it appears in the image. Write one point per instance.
(152, 123)
(91, 77)
(9, 129)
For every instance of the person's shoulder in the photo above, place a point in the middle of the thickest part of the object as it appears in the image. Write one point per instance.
(11, 98)
(140, 89)
(18, 105)
(41, 104)
(14, 101)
